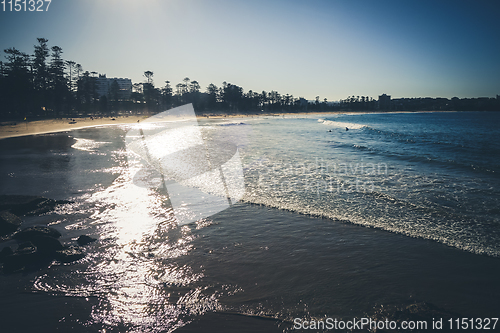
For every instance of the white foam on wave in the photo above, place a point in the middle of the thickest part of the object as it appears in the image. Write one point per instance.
(237, 123)
(86, 144)
(341, 124)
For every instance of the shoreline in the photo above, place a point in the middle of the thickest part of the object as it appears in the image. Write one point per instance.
(25, 128)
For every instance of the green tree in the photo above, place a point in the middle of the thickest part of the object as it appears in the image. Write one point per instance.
(18, 86)
(78, 71)
(233, 97)
(71, 71)
(166, 94)
(179, 90)
(151, 94)
(114, 91)
(41, 74)
(263, 100)
(137, 96)
(194, 87)
(87, 91)
(58, 81)
(186, 85)
(103, 104)
(213, 96)
(149, 77)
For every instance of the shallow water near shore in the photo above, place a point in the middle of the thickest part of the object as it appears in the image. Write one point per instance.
(399, 208)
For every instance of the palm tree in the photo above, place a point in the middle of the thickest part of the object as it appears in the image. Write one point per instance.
(185, 85)
(149, 76)
(263, 99)
(194, 87)
(180, 88)
(40, 64)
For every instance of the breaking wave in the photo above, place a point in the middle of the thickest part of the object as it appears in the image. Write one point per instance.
(340, 124)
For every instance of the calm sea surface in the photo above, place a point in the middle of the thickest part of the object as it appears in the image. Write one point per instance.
(341, 214)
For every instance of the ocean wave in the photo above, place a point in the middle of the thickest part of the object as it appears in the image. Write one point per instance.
(232, 124)
(87, 144)
(341, 124)
(434, 218)
(465, 240)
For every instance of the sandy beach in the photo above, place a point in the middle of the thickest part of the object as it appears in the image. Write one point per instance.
(12, 129)
(22, 128)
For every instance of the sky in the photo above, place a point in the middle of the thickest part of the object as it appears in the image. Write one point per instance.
(332, 48)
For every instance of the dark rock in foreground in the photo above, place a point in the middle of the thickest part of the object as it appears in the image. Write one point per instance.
(84, 240)
(28, 234)
(44, 238)
(37, 254)
(26, 248)
(6, 251)
(18, 262)
(38, 245)
(26, 258)
(28, 204)
(46, 245)
(8, 223)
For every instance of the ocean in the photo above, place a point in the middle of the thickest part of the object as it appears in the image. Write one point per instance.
(341, 215)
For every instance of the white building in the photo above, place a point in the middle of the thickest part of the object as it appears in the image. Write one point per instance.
(103, 86)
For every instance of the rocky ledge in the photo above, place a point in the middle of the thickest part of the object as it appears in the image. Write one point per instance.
(28, 204)
(38, 245)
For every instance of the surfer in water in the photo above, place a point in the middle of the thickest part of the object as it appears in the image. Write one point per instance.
(346, 129)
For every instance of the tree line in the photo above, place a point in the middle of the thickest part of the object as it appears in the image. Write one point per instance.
(43, 84)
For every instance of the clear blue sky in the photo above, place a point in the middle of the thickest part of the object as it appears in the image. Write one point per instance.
(334, 49)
